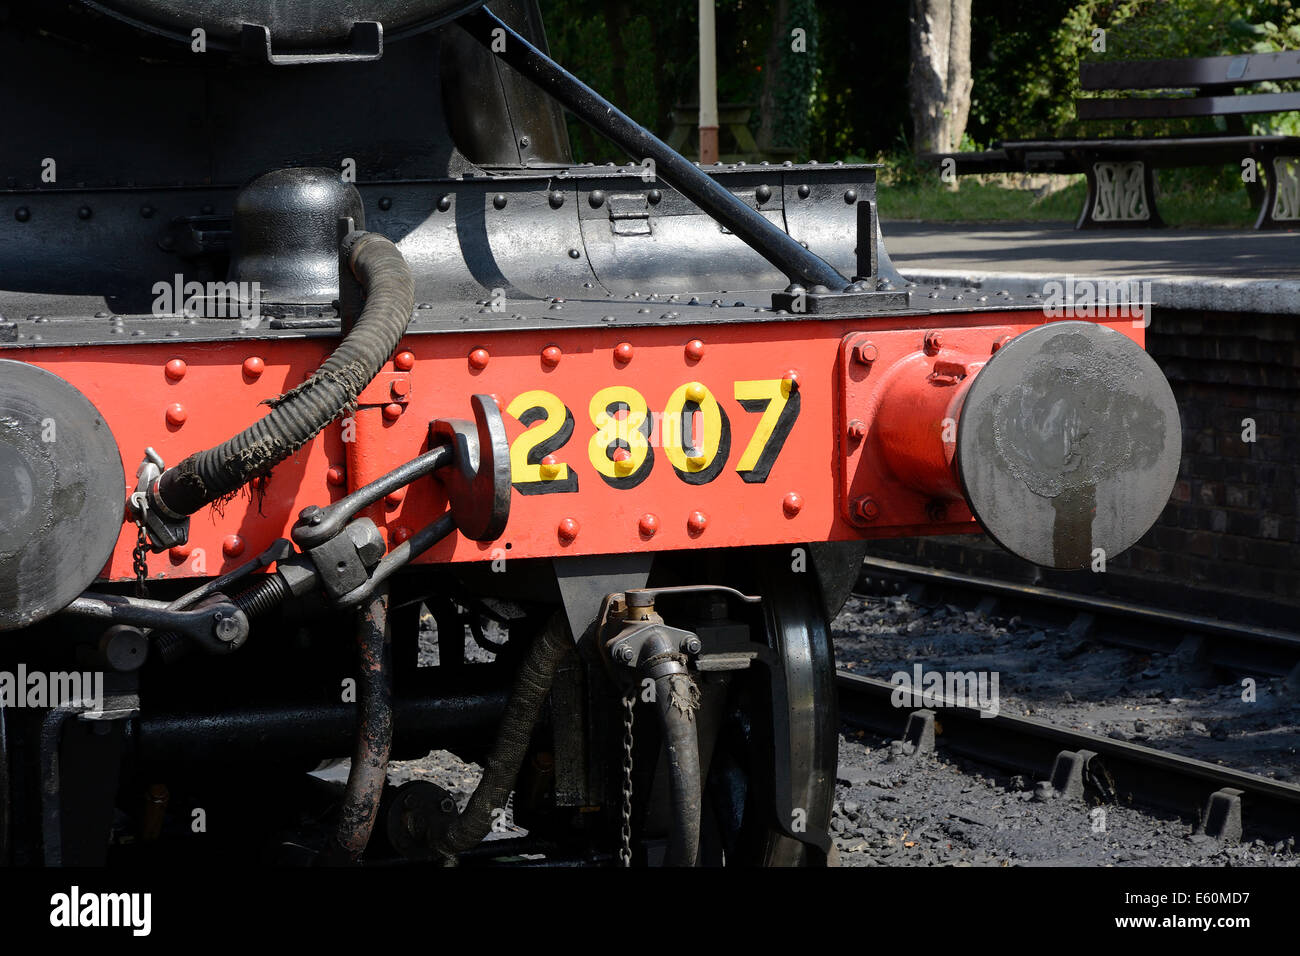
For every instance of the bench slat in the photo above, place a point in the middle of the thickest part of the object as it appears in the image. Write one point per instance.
(1147, 144)
(1205, 71)
(1169, 107)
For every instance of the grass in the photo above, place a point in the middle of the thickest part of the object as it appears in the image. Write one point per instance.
(1180, 202)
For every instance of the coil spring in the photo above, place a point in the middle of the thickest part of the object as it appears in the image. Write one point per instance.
(254, 601)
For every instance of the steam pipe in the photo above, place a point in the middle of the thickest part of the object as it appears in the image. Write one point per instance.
(369, 770)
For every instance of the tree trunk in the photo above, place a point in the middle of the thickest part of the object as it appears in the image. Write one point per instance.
(940, 74)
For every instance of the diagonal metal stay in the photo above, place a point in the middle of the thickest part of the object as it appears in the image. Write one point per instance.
(800, 265)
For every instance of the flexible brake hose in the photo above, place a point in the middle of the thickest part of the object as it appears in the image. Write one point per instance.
(676, 700)
(531, 686)
(298, 415)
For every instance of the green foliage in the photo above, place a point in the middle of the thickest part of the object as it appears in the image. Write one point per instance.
(846, 98)
(796, 91)
(651, 64)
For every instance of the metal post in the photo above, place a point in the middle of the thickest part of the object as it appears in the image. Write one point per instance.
(708, 85)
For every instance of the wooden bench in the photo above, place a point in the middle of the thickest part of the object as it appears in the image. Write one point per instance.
(1120, 171)
(732, 117)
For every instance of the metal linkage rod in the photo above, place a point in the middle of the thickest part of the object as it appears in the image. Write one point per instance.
(771, 242)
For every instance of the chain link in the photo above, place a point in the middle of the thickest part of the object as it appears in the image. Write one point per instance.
(625, 852)
(140, 562)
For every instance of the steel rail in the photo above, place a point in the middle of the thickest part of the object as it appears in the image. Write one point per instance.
(1028, 745)
(1235, 645)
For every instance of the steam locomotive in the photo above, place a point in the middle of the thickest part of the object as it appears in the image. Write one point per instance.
(343, 415)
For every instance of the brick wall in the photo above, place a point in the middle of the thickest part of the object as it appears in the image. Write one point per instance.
(1228, 543)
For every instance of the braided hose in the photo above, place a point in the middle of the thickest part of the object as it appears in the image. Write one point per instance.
(531, 686)
(297, 416)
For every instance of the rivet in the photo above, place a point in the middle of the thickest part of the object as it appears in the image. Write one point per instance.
(254, 366)
(655, 196)
(937, 510)
(404, 361)
(84, 212)
(568, 530)
(523, 142)
(175, 369)
(933, 342)
(790, 381)
(385, 203)
(444, 202)
(763, 193)
(400, 533)
(478, 359)
(22, 214)
(623, 464)
(551, 356)
(804, 191)
(792, 504)
(695, 350)
(850, 196)
(999, 343)
(550, 467)
(394, 498)
(696, 392)
(556, 199)
(697, 522)
(180, 552)
(392, 411)
(232, 545)
(866, 508)
(648, 525)
(400, 388)
(335, 475)
(597, 198)
(146, 212)
(857, 429)
(176, 414)
(499, 200)
(866, 353)
(575, 254)
(623, 352)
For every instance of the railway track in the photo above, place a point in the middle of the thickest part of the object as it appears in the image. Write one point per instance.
(1197, 640)
(1223, 802)
(1080, 765)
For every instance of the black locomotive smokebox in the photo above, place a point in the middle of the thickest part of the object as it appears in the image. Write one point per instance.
(1068, 444)
(285, 245)
(62, 506)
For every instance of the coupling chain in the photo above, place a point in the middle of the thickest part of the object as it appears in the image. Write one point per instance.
(140, 560)
(625, 851)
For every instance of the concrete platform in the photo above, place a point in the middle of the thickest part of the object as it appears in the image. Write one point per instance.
(1213, 269)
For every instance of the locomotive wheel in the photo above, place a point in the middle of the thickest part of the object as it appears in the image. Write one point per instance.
(777, 744)
(807, 718)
